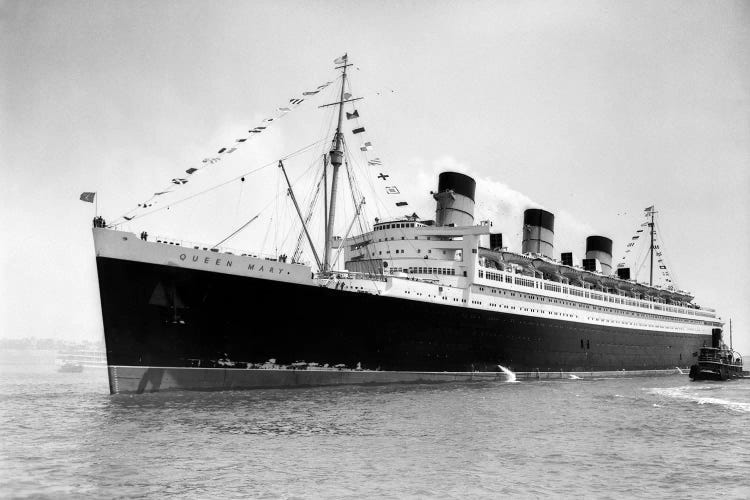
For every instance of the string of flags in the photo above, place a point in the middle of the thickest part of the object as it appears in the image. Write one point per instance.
(661, 263)
(366, 146)
(222, 152)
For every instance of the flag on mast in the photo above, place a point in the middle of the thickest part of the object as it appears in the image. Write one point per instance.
(88, 197)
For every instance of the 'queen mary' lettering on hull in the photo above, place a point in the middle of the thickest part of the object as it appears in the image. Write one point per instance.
(228, 263)
(208, 260)
(121, 245)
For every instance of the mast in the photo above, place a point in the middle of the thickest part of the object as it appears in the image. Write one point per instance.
(651, 270)
(730, 334)
(336, 155)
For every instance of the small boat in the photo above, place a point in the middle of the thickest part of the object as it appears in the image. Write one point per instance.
(718, 362)
(70, 367)
(83, 357)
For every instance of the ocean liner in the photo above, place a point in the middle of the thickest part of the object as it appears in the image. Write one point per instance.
(414, 299)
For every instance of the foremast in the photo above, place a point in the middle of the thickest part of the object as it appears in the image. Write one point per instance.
(336, 158)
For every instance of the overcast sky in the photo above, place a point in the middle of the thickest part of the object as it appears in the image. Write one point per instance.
(592, 110)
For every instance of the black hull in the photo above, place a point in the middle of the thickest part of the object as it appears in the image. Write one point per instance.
(165, 316)
(712, 371)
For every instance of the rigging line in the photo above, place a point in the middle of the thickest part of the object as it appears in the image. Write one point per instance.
(347, 233)
(260, 212)
(640, 257)
(314, 188)
(265, 237)
(327, 129)
(641, 267)
(282, 233)
(410, 243)
(307, 202)
(276, 215)
(211, 163)
(369, 179)
(238, 230)
(271, 222)
(363, 228)
(378, 203)
(298, 246)
(313, 195)
(670, 272)
(356, 191)
(290, 155)
(369, 172)
(357, 207)
(326, 132)
(362, 220)
(303, 175)
(239, 200)
(349, 176)
(286, 233)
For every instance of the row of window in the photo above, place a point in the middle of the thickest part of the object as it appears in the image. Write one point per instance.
(596, 308)
(633, 323)
(578, 293)
(590, 318)
(447, 271)
(397, 226)
(419, 250)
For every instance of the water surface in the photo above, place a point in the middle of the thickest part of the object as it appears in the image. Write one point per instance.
(63, 435)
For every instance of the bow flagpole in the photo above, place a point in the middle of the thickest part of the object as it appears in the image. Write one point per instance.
(91, 197)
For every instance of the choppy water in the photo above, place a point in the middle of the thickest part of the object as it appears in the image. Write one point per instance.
(665, 437)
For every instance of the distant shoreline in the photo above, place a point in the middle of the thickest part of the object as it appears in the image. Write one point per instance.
(49, 344)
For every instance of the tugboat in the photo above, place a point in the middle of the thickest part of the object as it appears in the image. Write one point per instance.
(718, 362)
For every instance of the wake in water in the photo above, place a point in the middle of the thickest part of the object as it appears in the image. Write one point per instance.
(690, 393)
(510, 376)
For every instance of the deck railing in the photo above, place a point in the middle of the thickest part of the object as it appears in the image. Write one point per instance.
(528, 281)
